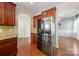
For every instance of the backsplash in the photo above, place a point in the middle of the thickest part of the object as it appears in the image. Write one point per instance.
(7, 32)
(7, 28)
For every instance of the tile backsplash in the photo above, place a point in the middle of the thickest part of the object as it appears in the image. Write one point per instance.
(7, 28)
(7, 32)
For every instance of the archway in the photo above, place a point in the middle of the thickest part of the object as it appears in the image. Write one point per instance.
(23, 26)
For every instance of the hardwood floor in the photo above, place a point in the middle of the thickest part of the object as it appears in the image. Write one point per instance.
(67, 47)
(27, 49)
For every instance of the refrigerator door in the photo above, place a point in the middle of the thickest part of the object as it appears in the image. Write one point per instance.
(46, 32)
(46, 36)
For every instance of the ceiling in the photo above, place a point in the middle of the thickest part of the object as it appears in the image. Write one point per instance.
(37, 6)
(68, 13)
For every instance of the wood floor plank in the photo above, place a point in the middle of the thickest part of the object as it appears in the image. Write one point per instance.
(27, 49)
(67, 47)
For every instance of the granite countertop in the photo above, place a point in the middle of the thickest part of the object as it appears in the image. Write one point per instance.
(7, 35)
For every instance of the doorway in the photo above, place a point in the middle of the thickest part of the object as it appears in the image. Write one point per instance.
(23, 26)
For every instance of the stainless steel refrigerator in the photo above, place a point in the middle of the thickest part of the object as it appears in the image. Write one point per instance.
(44, 42)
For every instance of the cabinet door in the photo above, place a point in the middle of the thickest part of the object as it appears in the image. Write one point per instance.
(8, 47)
(49, 12)
(35, 19)
(1, 13)
(9, 14)
(34, 38)
(52, 11)
(45, 14)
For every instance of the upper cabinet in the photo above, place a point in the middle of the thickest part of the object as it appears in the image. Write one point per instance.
(46, 13)
(7, 13)
(10, 13)
(49, 12)
(35, 18)
(1, 13)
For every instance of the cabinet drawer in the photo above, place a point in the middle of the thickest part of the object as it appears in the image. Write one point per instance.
(8, 47)
(6, 41)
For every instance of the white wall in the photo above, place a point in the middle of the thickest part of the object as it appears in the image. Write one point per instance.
(76, 26)
(67, 26)
(61, 7)
(20, 11)
(66, 23)
(66, 6)
(23, 26)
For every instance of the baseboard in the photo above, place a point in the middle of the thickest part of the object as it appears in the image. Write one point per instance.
(23, 38)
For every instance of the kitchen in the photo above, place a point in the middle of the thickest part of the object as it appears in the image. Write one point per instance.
(36, 31)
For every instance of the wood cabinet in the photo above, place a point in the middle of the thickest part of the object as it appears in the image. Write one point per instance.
(35, 18)
(46, 13)
(52, 11)
(7, 13)
(1, 13)
(49, 12)
(8, 47)
(10, 13)
(34, 38)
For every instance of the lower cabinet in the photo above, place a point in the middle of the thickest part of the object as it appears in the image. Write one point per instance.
(8, 47)
(34, 38)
